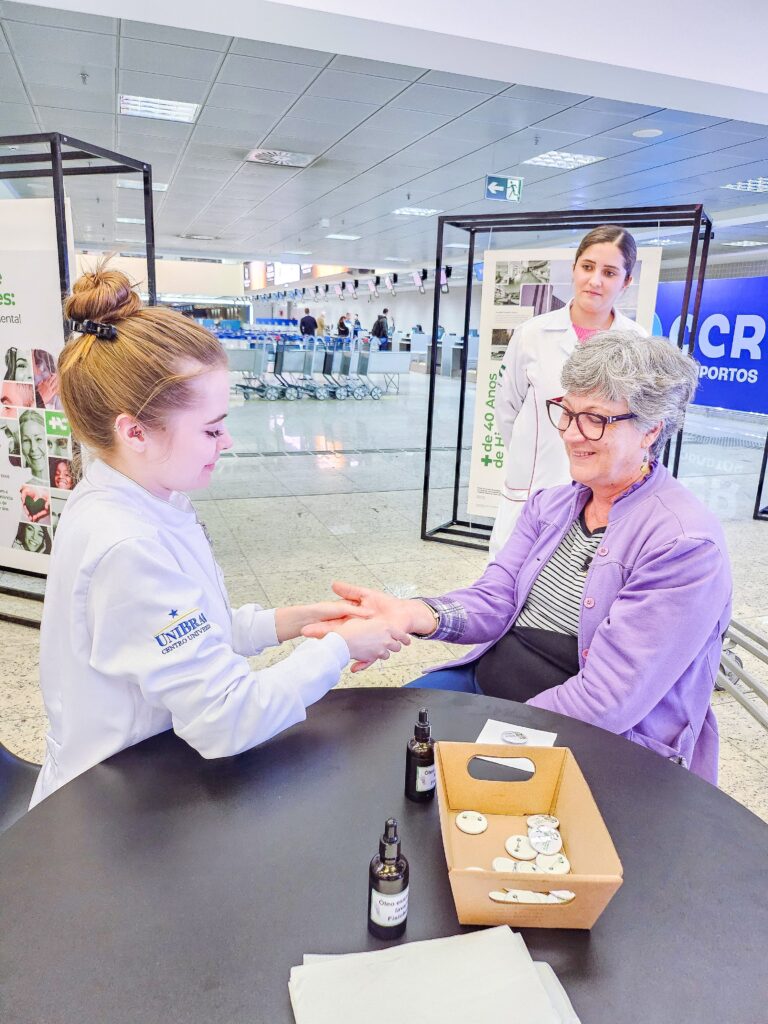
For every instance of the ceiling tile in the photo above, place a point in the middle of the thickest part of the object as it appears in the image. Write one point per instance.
(175, 36)
(240, 121)
(166, 59)
(343, 85)
(258, 102)
(62, 44)
(363, 66)
(397, 119)
(510, 112)
(278, 52)
(68, 76)
(436, 100)
(469, 82)
(257, 73)
(581, 119)
(344, 113)
(632, 110)
(137, 83)
(11, 88)
(71, 99)
(59, 19)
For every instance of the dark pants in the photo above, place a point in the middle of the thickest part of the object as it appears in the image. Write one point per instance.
(461, 679)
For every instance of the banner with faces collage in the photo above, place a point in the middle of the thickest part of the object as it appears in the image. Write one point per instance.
(36, 470)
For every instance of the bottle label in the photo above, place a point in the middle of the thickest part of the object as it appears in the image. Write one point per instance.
(389, 910)
(425, 778)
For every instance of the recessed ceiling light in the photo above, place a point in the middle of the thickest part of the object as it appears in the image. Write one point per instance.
(660, 241)
(199, 238)
(745, 244)
(647, 133)
(297, 252)
(750, 185)
(157, 186)
(456, 245)
(396, 259)
(566, 161)
(345, 238)
(280, 157)
(162, 110)
(129, 220)
(415, 211)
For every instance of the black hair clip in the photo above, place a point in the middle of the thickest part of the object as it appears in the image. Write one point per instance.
(105, 332)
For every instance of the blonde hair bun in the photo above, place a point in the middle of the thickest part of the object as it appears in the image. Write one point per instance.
(102, 295)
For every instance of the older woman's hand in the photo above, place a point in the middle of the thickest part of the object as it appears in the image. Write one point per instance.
(405, 615)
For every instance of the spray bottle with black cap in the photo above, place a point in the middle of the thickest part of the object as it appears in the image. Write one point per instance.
(388, 887)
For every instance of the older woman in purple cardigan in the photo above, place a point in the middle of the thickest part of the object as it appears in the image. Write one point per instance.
(609, 601)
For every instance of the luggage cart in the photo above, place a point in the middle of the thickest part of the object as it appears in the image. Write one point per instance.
(294, 369)
(348, 373)
(331, 363)
(252, 363)
(390, 365)
(363, 365)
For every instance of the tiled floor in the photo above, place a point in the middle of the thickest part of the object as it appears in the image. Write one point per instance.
(285, 525)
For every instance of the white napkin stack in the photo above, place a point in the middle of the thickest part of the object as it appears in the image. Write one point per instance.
(486, 976)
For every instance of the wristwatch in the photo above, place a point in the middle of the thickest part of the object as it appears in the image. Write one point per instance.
(425, 636)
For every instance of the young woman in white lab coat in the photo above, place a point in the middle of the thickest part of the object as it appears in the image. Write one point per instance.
(531, 368)
(137, 633)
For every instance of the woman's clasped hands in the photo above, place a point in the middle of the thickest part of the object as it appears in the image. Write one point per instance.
(372, 622)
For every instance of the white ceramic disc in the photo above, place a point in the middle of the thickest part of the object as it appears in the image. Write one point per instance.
(554, 863)
(547, 820)
(515, 737)
(471, 822)
(516, 866)
(520, 847)
(545, 840)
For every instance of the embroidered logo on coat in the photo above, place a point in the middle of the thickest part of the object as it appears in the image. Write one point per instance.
(184, 628)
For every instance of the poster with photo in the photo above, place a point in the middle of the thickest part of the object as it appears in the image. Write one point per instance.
(517, 285)
(35, 441)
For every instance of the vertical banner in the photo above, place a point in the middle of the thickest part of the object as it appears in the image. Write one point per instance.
(35, 451)
(519, 284)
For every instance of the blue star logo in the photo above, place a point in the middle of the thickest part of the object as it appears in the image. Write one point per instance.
(173, 613)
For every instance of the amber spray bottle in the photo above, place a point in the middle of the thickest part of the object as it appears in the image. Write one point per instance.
(388, 887)
(420, 761)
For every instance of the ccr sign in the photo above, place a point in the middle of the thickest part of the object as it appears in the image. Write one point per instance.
(731, 343)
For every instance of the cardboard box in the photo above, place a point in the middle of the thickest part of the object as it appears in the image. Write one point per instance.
(556, 787)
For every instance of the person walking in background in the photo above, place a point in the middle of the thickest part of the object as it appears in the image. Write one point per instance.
(530, 371)
(380, 329)
(342, 328)
(308, 324)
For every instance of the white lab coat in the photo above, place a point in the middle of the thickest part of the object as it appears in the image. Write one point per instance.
(529, 375)
(138, 637)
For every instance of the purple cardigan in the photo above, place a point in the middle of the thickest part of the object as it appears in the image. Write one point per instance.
(657, 600)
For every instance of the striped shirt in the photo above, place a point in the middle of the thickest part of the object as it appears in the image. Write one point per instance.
(554, 602)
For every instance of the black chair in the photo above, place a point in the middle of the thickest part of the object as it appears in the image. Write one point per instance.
(17, 780)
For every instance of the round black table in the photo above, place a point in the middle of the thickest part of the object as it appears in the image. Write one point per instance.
(161, 888)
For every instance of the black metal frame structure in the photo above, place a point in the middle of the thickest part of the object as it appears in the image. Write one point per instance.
(762, 513)
(462, 532)
(62, 156)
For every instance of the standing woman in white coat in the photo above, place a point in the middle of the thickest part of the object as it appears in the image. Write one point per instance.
(533, 362)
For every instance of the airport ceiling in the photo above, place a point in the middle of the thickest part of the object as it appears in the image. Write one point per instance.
(385, 137)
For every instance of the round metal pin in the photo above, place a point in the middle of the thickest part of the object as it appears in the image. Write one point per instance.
(514, 736)
(554, 863)
(471, 822)
(520, 847)
(545, 840)
(543, 820)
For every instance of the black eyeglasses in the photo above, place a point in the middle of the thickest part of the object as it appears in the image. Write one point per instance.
(591, 425)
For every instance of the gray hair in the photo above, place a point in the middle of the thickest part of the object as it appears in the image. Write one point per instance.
(654, 378)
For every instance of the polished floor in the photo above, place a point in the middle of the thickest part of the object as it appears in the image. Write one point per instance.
(315, 491)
